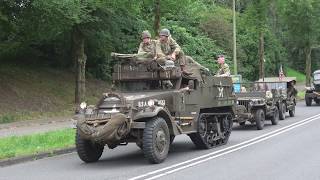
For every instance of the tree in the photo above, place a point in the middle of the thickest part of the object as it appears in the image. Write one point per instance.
(73, 24)
(303, 27)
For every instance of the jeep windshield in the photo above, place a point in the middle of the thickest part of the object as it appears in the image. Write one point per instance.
(260, 86)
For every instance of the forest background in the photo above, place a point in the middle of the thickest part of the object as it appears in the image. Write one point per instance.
(40, 39)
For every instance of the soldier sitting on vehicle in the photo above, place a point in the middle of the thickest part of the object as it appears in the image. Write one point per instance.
(224, 68)
(146, 51)
(147, 48)
(168, 49)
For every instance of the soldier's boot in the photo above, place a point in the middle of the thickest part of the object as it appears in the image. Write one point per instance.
(184, 71)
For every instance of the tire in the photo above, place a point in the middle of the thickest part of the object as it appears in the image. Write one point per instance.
(292, 112)
(275, 117)
(259, 117)
(282, 111)
(308, 101)
(317, 101)
(87, 151)
(156, 140)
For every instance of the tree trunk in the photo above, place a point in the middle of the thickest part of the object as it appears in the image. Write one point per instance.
(261, 55)
(307, 52)
(156, 17)
(79, 58)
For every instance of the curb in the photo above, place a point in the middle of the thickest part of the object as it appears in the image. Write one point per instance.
(21, 159)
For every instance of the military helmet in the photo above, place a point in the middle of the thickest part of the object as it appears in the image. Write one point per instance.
(145, 34)
(164, 32)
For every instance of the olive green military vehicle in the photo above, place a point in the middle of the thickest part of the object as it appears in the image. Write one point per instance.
(313, 93)
(284, 93)
(256, 104)
(268, 98)
(150, 104)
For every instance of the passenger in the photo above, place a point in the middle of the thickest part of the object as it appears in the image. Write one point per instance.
(224, 68)
(168, 49)
(291, 91)
(147, 48)
(146, 51)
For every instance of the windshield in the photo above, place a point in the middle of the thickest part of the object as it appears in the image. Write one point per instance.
(259, 86)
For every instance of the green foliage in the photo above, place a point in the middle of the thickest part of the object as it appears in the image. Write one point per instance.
(36, 143)
(41, 31)
(200, 47)
(293, 73)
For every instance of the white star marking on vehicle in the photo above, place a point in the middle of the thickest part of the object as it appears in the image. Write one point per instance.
(220, 90)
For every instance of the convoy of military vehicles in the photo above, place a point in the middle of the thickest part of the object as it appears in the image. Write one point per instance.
(151, 103)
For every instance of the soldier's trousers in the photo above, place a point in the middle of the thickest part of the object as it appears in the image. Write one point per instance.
(180, 59)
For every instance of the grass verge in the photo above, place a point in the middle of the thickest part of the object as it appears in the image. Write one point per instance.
(300, 95)
(36, 143)
(293, 73)
(31, 92)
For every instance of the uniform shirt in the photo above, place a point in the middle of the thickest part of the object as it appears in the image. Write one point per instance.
(224, 70)
(167, 48)
(147, 50)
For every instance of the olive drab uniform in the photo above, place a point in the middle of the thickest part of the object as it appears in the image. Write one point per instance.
(224, 70)
(146, 51)
(167, 48)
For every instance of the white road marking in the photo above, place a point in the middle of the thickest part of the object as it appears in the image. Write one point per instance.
(227, 150)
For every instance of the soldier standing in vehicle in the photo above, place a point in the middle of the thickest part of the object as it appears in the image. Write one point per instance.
(224, 68)
(168, 49)
(291, 91)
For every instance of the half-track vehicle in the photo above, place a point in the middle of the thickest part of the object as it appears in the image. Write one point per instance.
(313, 93)
(150, 104)
(284, 93)
(255, 103)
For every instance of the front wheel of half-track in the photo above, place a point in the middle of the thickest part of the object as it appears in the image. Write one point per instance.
(88, 151)
(156, 140)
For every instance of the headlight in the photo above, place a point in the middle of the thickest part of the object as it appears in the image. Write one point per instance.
(269, 94)
(83, 105)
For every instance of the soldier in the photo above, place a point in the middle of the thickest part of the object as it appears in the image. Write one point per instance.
(147, 48)
(146, 51)
(291, 91)
(224, 68)
(168, 49)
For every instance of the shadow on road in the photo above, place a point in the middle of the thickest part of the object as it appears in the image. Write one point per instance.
(250, 127)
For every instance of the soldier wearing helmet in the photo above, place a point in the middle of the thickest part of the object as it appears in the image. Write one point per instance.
(168, 49)
(147, 48)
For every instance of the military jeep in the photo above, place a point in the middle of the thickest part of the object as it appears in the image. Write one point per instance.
(313, 93)
(150, 104)
(284, 94)
(255, 103)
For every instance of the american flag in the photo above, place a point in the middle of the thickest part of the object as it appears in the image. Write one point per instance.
(281, 74)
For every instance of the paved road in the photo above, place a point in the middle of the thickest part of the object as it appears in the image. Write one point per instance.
(289, 150)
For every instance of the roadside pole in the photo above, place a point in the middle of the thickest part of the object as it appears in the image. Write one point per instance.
(234, 40)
